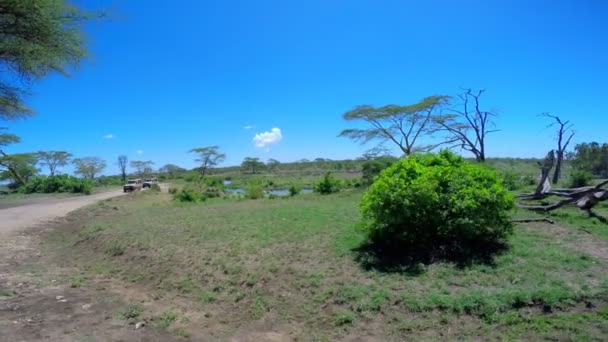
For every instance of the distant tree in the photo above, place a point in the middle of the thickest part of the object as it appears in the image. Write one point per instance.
(402, 125)
(171, 170)
(88, 167)
(253, 164)
(564, 135)
(37, 37)
(591, 157)
(468, 126)
(142, 168)
(208, 157)
(122, 165)
(372, 168)
(273, 165)
(53, 159)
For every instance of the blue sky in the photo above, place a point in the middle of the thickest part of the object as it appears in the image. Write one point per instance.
(165, 78)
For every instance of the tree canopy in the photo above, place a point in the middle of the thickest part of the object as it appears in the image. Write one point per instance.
(208, 157)
(402, 125)
(89, 167)
(53, 159)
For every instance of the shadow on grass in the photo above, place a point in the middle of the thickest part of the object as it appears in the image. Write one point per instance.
(389, 258)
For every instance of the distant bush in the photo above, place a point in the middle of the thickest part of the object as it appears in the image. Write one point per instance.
(511, 180)
(57, 183)
(155, 187)
(580, 178)
(437, 203)
(173, 190)
(254, 189)
(372, 168)
(192, 177)
(294, 190)
(328, 185)
(214, 182)
(189, 195)
(212, 192)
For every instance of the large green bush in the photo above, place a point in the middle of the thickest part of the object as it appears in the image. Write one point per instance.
(57, 183)
(580, 178)
(437, 203)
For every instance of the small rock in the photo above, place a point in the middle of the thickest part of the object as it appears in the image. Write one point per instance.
(63, 301)
(59, 297)
(207, 314)
(86, 306)
(53, 281)
(139, 325)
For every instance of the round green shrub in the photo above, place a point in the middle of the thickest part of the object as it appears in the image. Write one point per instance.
(437, 203)
(580, 178)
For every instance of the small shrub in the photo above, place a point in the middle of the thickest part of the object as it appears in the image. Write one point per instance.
(437, 203)
(130, 312)
(579, 178)
(294, 190)
(155, 187)
(511, 180)
(116, 249)
(254, 189)
(173, 190)
(189, 195)
(344, 317)
(167, 318)
(328, 185)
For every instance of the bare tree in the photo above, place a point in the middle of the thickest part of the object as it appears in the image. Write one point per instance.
(53, 159)
(208, 157)
(122, 165)
(402, 125)
(564, 135)
(468, 126)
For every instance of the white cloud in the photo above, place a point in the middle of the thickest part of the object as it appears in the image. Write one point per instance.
(268, 138)
(140, 152)
(109, 136)
(248, 127)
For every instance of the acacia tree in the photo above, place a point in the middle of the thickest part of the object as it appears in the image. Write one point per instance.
(37, 37)
(253, 164)
(88, 167)
(122, 165)
(142, 167)
(402, 125)
(53, 159)
(208, 157)
(564, 135)
(468, 126)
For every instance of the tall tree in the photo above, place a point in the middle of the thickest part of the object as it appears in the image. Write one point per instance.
(53, 159)
(88, 167)
(122, 165)
(564, 135)
(468, 126)
(37, 37)
(253, 164)
(208, 157)
(142, 167)
(402, 125)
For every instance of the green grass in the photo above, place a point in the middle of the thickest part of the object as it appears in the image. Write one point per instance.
(130, 312)
(291, 261)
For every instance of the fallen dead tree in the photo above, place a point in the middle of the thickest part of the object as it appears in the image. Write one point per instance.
(584, 198)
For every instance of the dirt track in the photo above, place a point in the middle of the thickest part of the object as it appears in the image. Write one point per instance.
(36, 307)
(32, 214)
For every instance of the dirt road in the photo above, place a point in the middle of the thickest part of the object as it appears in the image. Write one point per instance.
(38, 301)
(32, 214)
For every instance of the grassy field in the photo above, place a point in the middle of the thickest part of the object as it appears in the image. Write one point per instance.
(293, 267)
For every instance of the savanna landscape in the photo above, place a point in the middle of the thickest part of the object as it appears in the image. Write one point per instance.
(428, 233)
